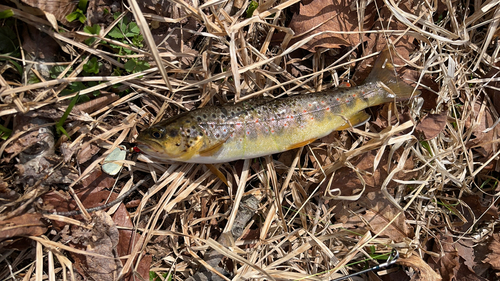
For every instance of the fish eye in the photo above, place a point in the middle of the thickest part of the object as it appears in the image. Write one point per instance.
(157, 134)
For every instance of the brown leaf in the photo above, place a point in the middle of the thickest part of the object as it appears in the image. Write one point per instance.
(347, 180)
(448, 262)
(86, 153)
(380, 212)
(465, 249)
(128, 239)
(431, 125)
(101, 239)
(482, 143)
(335, 15)
(493, 258)
(481, 208)
(426, 272)
(60, 8)
(23, 225)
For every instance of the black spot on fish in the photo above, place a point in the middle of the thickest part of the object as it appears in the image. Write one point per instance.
(200, 133)
(233, 114)
(213, 115)
(224, 112)
(172, 133)
(204, 116)
(177, 144)
(199, 119)
(193, 127)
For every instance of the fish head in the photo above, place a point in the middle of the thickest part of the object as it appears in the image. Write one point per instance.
(173, 139)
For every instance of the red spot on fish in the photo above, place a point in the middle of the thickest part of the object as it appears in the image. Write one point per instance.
(257, 121)
(327, 109)
(241, 139)
(286, 124)
(272, 131)
(232, 135)
(272, 119)
(224, 130)
(338, 99)
(291, 117)
(238, 124)
(322, 102)
(305, 111)
(310, 105)
(312, 118)
(248, 132)
(354, 95)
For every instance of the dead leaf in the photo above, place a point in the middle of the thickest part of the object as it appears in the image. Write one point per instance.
(484, 133)
(23, 225)
(336, 15)
(493, 258)
(431, 125)
(380, 212)
(426, 272)
(60, 8)
(481, 209)
(448, 262)
(101, 239)
(86, 153)
(127, 241)
(347, 180)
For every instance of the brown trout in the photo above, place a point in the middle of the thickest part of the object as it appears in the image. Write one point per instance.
(216, 134)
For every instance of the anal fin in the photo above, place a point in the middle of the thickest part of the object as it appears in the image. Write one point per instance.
(218, 173)
(356, 120)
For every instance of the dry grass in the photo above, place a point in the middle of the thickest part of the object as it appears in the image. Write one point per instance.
(322, 207)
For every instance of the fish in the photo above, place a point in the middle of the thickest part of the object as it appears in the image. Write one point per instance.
(254, 128)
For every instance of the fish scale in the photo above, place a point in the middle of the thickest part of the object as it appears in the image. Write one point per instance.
(254, 128)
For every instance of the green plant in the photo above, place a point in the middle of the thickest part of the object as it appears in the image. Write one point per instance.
(79, 13)
(95, 30)
(59, 126)
(251, 8)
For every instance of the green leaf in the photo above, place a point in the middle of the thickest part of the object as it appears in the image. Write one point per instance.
(95, 29)
(134, 66)
(116, 33)
(251, 8)
(130, 65)
(82, 4)
(6, 14)
(92, 66)
(5, 132)
(59, 126)
(133, 29)
(8, 40)
(73, 16)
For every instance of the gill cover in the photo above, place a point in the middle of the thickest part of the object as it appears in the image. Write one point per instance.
(177, 138)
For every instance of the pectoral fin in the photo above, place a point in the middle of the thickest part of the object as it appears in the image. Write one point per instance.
(300, 144)
(356, 120)
(213, 149)
(218, 173)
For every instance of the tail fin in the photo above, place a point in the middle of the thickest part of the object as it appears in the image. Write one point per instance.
(384, 71)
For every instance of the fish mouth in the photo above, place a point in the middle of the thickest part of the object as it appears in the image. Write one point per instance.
(149, 147)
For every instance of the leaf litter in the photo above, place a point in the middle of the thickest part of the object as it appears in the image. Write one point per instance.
(421, 177)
